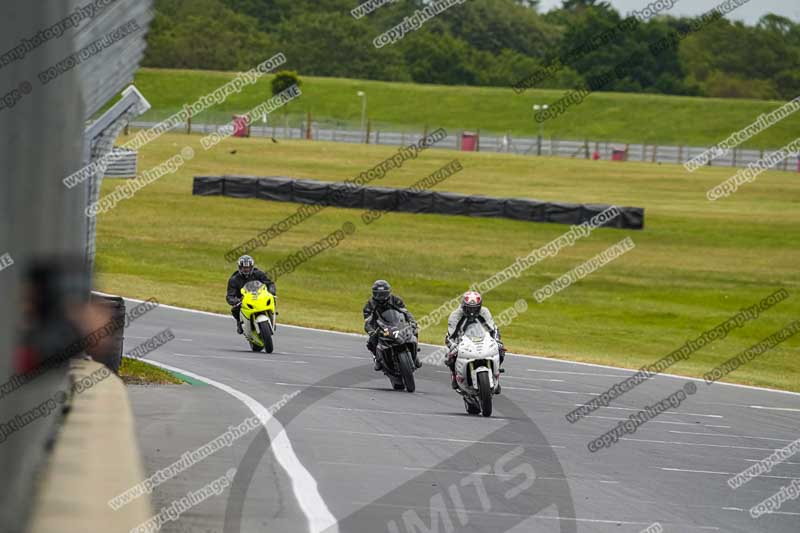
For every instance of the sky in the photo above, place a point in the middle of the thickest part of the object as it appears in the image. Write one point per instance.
(749, 13)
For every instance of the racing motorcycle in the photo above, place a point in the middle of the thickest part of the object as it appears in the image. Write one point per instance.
(258, 316)
(396, 348)
(477, 369)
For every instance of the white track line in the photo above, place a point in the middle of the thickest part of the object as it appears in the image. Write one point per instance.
(696, 471)
(787, 513)
(673, 443)
(418, 437)
(660, 422)
(577, 373)
(555, 391)
(674, 413)
(725, 435)
(552, 380)
(720, 473)
(759, 460)
(303, 484)
(306, 385)
(775, 408)
(401, 413)
(256, 359)
(458, 472)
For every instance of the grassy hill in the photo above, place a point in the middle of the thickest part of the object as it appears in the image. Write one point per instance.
(632, 118)
(695, 264)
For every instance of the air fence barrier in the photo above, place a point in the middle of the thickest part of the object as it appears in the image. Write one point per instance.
(283, 189)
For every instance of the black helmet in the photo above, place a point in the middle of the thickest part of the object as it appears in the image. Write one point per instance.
(381, 291)
(471, 303)
(246, 266)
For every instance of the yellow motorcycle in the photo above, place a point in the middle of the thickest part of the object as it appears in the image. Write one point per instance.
(258, 316)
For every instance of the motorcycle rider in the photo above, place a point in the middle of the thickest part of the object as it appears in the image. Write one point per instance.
(245, 273)
(471, 310)
(382, 300)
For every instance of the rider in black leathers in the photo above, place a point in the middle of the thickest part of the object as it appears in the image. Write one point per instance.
(245, 273)
(383, 299)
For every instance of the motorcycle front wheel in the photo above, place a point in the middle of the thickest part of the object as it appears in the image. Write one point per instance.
(407, 370)
(485, 394)
(266, 336)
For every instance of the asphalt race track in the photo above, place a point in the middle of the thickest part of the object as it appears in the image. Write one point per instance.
(348, 454)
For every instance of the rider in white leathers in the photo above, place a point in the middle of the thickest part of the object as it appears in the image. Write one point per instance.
(471, 310)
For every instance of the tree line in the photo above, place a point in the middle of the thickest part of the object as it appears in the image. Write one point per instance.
(484, 43)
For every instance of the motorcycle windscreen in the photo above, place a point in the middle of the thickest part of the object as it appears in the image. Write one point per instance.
(393, 317)
(475, 331)
(253, 287)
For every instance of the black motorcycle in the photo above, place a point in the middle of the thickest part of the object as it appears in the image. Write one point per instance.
(397, 348)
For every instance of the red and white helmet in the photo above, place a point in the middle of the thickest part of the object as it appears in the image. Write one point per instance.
(471, 303)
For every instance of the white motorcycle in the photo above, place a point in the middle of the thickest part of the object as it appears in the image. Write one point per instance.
(477, 369)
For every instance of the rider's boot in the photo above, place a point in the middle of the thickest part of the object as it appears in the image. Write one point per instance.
(453, 382)
(239, 328)
(417, 362)
(378, 363)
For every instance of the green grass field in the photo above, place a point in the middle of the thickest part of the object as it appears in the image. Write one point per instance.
(695, 264)
(626, 118)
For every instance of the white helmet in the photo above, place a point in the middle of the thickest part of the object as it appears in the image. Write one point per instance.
(471, 303)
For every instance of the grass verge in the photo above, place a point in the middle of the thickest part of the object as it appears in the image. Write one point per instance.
(136, 372)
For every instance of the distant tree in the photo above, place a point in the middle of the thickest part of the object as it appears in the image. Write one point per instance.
(335, 44)
(204, 34)
(788, 83)
(776, 23)
(583, 4)
(283, 80)
(723, 85)
(441, 59)
(497, 25)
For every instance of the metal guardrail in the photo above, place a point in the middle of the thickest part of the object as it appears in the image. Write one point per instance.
(527, 146)
(123, 163)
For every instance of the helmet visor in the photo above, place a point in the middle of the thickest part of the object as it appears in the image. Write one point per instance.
(381, 295)
(472, 310)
